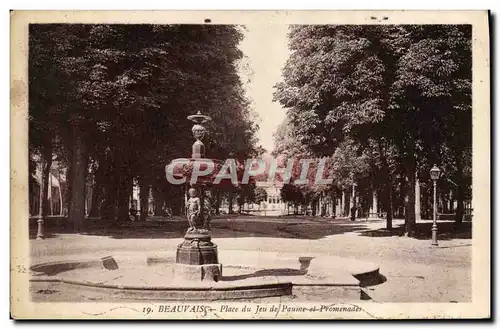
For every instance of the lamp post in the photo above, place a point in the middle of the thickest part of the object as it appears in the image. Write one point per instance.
(435, 173)
(40, 221)
(353, 196)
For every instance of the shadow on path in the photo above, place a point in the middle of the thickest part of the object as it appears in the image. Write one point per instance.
(221, 228)
(268, 272)
(446, 231)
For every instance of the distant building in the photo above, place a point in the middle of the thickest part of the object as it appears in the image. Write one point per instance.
(274, 205)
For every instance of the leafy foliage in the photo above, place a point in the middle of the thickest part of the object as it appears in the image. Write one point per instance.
(126, 91)
(399, 97)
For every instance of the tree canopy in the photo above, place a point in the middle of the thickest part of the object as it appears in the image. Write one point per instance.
(111, 101)
(400, 95)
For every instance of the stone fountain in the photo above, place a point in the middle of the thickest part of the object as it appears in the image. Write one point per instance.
(196, 256)
(193, 270)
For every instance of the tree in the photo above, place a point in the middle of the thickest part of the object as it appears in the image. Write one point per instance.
(122, 94)
(292, 194)
(403, 90)
(246, 194)
(433, 92)
(49, 45)
(260, 196)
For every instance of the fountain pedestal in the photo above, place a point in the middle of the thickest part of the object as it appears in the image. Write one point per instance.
(197, 258)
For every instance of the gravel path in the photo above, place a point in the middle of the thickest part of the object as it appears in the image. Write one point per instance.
(415, 271)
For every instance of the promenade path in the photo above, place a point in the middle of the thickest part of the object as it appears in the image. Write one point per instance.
(415, 271)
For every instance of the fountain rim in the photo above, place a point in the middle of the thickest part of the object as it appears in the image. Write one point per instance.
(199, 118)
(197, 159)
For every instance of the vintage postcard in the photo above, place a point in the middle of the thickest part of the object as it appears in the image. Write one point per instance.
(250, 165)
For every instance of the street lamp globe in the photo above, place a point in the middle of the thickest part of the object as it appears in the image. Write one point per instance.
(435, 173)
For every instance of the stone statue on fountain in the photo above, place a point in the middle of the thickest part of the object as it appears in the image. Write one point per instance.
(193, 208)
(198, 220)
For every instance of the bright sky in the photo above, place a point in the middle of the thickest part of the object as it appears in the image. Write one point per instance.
(266, 46)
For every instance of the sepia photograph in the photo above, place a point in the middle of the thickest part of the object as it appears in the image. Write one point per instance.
(250, 165)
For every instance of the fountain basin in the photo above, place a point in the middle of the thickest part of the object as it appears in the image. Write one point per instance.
(154, 277)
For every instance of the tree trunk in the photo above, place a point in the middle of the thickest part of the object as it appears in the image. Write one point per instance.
(80, 162)
(334, 205)
(108, 209)
(353, 204)
(108, 206)
(230, 201)
(459, 214)
(186, 199)
(389, 205)
(157, 199)
(410, 203)
(47, 164)
(201, 195)
(174, 196)
(451, 207)
(124, 191)
(144, 198)
(182, 206)
(445, 203)
(68, 187)
(388, 189)
(96, 198)
(97, 190)
(460, 194)
(373, 208)
(217, 202)
(418, 216)
(347, 204)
